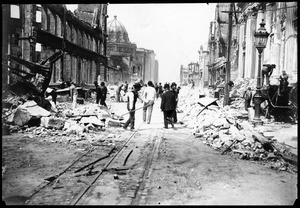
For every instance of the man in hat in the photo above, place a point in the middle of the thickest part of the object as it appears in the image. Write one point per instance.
(267, 71)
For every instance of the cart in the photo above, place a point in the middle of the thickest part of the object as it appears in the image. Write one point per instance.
(283, 105)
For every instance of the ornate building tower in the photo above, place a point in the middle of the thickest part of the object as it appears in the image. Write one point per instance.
(120, 52)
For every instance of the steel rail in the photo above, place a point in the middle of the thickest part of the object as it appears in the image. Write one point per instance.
(79, 196)
(55, 177)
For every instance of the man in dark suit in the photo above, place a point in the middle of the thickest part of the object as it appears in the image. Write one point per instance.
(168, 106)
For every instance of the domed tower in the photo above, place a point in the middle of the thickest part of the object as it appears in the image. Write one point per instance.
(120, 52)
(117, 32)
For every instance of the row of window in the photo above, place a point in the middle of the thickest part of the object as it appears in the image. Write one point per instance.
(73, 34)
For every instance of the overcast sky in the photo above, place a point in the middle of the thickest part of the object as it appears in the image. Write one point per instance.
(173, 31)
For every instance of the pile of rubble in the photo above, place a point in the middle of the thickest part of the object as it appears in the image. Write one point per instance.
(64, 123)
(228, 129)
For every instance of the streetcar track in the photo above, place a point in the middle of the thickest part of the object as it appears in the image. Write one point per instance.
(76, 200)
(91, 181)
(58, 175)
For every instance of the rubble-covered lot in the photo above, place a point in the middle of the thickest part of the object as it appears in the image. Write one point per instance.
(42, 143)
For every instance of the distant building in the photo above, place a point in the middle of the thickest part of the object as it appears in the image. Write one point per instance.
(126, 62)
(203, 68)
(218, 45)
(184, 75)
(194, 73)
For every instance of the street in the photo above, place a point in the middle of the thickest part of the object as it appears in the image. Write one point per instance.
(163, 166)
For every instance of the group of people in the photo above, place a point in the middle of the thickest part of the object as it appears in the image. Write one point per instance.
(147, 94)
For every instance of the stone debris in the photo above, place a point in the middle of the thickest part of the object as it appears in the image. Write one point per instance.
(220, 127)
(27, 111)
(64, 125)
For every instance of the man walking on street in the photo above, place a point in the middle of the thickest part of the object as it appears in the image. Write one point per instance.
(149, 97)
(168, 106)
(131, 98)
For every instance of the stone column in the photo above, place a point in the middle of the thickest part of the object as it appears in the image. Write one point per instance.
(275, 41)
(241, 41)
(268, 26)
(74, 69)
(291, 50)
(250, 48)
(29, 17)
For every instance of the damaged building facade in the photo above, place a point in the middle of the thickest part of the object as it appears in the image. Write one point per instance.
(126, 61)
(282, 49)
(34, 32)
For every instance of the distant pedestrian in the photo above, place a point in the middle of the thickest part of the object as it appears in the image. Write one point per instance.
(168, 106)
(175, 91)
(247, 96)
(98, 92)
(131, 98)
(160, 89)
(156, 90)
(118, 93)
(193, 84)
(103, 94)
(125, 87)
(149, 97)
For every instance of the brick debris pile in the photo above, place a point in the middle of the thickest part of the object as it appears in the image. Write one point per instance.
(61, 124)
(228, 129)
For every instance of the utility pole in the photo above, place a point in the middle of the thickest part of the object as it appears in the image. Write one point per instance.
(227, 77)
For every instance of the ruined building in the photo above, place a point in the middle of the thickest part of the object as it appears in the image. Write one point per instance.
(127, 62)
(184, 75)
(281, 48)
(36, 31)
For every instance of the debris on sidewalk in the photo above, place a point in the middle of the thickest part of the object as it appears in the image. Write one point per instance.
(228, 129)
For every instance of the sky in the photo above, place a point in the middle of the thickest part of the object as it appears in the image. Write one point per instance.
(173, 31)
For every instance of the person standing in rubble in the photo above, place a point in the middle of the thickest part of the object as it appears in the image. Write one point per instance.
(168, 106)
(103, 94)
(73, 93)
(131, 98)
(247, 96)
(118, 93)
(98, 92)
(149, 97)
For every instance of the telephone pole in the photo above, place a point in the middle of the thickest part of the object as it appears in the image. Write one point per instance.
(227, 77)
